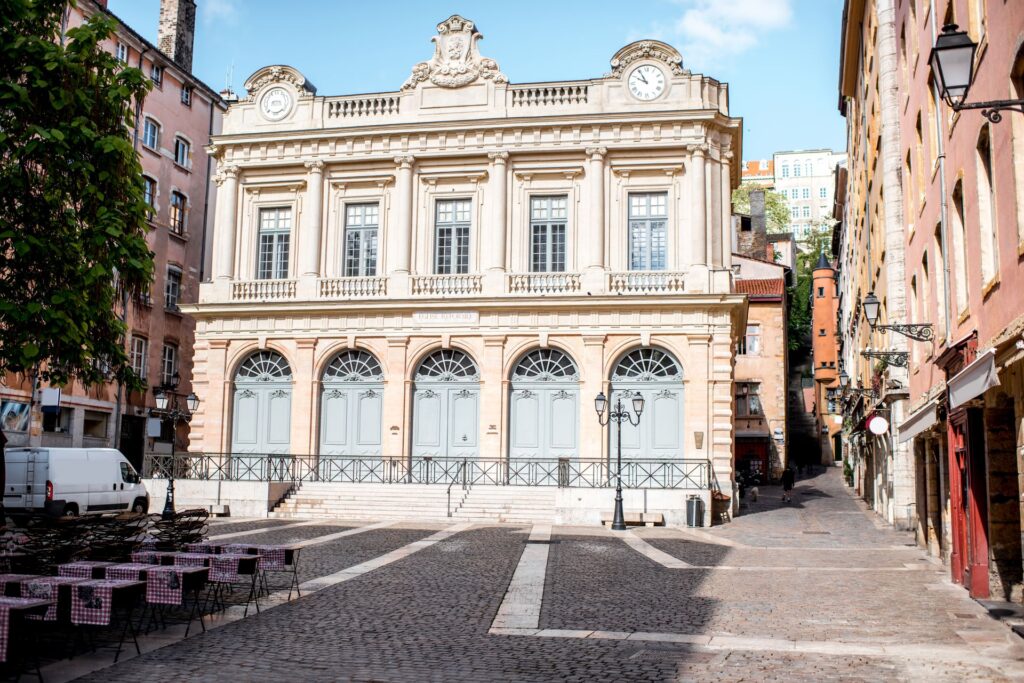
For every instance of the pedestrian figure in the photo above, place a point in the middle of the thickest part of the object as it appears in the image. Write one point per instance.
(787, 485)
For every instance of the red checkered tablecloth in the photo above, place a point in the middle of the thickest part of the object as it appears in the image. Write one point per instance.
(92, 601)
(130, 571)
(224, 567)
(45, 588)
(191, 559)
(15, 578)
(271, 557)
(5, 620)
(145, 556)
(164, 585)
(204, 547)
(81, 569)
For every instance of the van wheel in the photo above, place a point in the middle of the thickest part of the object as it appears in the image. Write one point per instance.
(71, 511)
(140, 506)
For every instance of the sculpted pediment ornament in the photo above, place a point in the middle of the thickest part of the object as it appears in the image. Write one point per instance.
(457, 61)
(276, 75)
(647, 49)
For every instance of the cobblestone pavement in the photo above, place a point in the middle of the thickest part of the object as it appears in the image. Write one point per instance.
(228, 527)
(813, 591)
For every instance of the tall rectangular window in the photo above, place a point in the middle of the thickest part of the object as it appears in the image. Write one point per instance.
(274, 241)
(823, 192)
(785, 171)
(361, 224)
(648, 218)
(178, 206)
(172, 289)
(748, 399)
(186, 95)
(168, 363)
(151, 133)
(122, 53)
(156, 74)
(182, 151)
(137, 355)
(149, 194)
(750, 344)
(547, 234)
(807, 193)
(451, 238)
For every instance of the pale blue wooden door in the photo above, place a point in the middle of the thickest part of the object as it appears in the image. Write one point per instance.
(544, 406)
(351, 413)
(261, 414)
(656, 376)
(446, 407)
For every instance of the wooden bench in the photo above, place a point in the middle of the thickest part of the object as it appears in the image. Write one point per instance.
(637, 518)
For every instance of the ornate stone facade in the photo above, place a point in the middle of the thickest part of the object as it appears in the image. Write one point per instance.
(504, 219)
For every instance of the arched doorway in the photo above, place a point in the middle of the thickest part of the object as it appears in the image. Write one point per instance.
(544, 406)
(351, 398)
(658, 377)
(446, 406)
(261, 411)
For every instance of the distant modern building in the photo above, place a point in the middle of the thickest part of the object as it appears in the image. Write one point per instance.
(171, 129)
(806, 178)
(758, 172)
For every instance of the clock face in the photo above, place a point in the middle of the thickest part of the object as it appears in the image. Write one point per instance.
(276, 103)
(646, 82)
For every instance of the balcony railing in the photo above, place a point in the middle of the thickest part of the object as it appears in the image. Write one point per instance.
(446, 285)
(363, 106)
(263, 290)
(547, 95)
(646, 282)
(353, 287)
(543, 283)
(561, 472)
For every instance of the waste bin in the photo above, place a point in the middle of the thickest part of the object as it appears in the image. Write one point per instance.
(694, 511)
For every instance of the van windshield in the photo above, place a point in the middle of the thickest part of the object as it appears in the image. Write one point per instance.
(128, 474)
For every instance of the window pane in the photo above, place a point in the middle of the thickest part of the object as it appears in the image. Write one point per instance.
(539, 249)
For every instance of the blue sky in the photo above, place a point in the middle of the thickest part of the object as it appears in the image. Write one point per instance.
(779, 57)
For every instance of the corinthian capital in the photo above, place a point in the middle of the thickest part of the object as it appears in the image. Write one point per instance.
(315, 166)
(596, 153)
(405, 161)
(225, 172)
(498, 157)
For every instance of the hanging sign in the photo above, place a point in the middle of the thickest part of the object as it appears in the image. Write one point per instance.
(877, 425)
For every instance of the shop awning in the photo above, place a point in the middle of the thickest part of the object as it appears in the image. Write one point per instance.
(920, 420)
(974, 380)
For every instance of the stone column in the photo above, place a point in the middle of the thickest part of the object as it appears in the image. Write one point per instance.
(593, 438)
(215, 408)
(727, 209)
(495, 235)
(304, 400)
(400, 234)
(593, 238)
(697, 276)
(227, 216)
(493, 390)
(312, 221)
(397, 390)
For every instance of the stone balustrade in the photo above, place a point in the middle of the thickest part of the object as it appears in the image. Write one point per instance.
(363, 106)
(548, 95)
(447, 285)
(263, 290)
(353, 287)
(646, 282)
(543, 283)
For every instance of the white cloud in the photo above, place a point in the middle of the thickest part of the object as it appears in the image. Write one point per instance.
(710, 31)
(212, 11)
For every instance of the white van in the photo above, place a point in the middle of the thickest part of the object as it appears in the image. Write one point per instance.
(72, 481)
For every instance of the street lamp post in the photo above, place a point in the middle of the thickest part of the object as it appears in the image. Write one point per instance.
(167, 407)
(618, 415)
(952, 62)
(915, 331)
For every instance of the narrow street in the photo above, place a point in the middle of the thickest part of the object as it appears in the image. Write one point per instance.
(813, 590)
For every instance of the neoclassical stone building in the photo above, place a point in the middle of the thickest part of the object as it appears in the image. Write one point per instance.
(457, 268)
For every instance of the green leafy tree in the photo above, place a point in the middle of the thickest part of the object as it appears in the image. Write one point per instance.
(776, 208)
(72, 214)
(800, 313)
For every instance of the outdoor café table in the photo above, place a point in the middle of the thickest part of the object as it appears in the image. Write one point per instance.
(12, 617)
(231, 568)
(170, 586)
(273, 558)
(145, 556)
(202, 547)
(94, 602)
(83, 569)
(130, 571)
(56, 588)
(10, 584)
(192, 559)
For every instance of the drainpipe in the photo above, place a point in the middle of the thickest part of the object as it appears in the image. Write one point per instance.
(943, 202)
(206, 198)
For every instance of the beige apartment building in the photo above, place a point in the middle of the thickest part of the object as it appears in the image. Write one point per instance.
(454, 270)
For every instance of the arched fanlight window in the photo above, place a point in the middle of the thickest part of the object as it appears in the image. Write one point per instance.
(647, 365)
(264, 366)
(353, 366)
(447, 365)
(545, 365)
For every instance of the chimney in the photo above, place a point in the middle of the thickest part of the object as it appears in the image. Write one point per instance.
(753, 236)
(177, 31)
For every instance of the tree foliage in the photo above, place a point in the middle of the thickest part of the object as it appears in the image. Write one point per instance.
(776, 207)
(72, 216)
(800, 304)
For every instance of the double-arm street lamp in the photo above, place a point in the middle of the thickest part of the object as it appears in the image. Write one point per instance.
(618, 415)
(952, 61)
(168, 408)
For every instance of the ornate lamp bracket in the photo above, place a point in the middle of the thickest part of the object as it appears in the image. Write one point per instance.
(916, 331)
(895, 358)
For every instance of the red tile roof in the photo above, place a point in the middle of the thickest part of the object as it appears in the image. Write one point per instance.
(771, 288)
